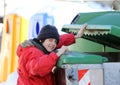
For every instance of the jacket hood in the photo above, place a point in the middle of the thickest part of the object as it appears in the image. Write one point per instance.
(19, 51)
(27, 44)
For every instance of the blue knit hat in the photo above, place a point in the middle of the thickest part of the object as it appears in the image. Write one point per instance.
(48, 31)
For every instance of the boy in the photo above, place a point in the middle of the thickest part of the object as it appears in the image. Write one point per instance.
(37, 57)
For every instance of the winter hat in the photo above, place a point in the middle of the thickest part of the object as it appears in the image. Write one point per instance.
(48, 31)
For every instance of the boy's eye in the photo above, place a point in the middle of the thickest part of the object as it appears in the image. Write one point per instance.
(56, 41)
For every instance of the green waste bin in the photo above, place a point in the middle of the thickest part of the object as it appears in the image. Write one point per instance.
(102, 37)
(73, 65)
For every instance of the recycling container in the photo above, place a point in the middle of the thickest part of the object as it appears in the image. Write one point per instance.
(101, 37)
(75, 68)
(14, 32)
(37, 21)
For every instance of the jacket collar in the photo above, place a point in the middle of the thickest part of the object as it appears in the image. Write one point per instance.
(37, 44)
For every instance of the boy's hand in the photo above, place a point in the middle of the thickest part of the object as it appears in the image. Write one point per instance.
(62, 50)
(81, 31)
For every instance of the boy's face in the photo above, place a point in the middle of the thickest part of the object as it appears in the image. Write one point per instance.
(50, 44)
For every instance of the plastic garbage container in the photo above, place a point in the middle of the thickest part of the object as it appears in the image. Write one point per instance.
(37, 21)
(75, 68)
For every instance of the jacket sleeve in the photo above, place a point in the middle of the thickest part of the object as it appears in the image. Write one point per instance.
(42, 65)
(66, 39)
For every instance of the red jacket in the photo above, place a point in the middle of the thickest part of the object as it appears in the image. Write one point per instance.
(35, 67)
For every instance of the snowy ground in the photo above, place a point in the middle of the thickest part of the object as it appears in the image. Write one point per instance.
(12, 79)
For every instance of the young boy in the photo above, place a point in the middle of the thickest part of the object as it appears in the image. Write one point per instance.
(37, 56)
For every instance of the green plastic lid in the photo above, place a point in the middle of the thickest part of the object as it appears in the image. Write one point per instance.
(80, 58)
(103, 27)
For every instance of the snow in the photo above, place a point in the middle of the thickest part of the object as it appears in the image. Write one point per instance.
(12, 79)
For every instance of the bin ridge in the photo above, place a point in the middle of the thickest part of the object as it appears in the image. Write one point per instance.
(72, 57)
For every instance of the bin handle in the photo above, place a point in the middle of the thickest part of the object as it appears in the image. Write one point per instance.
(105, 59)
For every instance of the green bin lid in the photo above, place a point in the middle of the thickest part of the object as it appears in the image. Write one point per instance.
(104, 27)
(106, 30)
(101, 18)
(108, 35)
(80, 58)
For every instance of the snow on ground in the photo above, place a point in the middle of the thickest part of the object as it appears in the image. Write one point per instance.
(12, 79)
